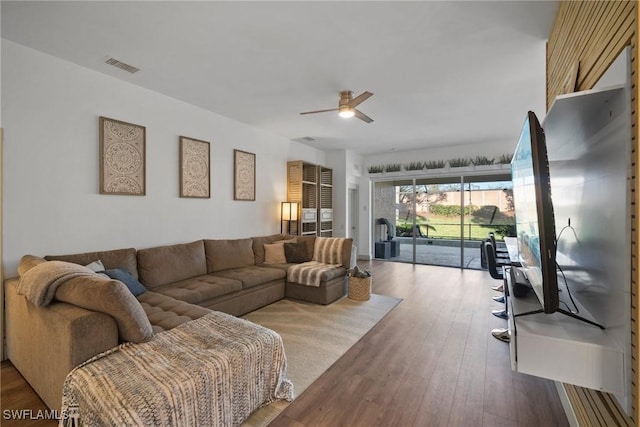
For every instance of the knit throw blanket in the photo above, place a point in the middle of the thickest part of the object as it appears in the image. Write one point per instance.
(39, 284)
(309, 273)
(327, 255)
(328, 250)
(212, 371)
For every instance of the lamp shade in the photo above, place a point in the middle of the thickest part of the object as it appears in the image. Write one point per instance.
(289, 211)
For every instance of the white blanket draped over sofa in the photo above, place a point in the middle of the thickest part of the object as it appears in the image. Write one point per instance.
(327, 256)
(213, 371)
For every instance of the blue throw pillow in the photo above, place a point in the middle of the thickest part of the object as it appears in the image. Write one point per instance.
(125, 277)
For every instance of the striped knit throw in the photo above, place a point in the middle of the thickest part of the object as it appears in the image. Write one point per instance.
(309, 273)
(328, 250)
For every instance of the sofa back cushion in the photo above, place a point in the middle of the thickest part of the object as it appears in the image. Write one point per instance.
(258, 246)
(309, 241)
(226, 254)
(296, 252)
(346, 252)
(117, 258)
(167, 264)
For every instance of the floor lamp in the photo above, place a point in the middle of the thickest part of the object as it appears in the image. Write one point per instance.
(289, 213)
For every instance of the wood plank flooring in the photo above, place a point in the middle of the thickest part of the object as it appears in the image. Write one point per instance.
(16, 395)
(430, 362)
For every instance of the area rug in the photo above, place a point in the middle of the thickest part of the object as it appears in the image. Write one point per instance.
(315, 337)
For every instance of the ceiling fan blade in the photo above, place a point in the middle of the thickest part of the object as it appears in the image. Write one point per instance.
(362, 116)
(360, 99)
(319, 111)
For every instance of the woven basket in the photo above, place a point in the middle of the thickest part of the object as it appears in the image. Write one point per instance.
(360, 288)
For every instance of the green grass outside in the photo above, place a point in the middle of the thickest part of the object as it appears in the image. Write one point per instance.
(447, 228)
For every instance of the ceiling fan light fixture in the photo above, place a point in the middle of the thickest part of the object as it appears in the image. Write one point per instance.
(347, 106)
(346, 112)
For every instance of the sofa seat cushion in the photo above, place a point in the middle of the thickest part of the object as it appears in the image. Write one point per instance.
(201, 288)
(166, 313)
(283, 267)
(168, 264)
(314, 273)
(253, 276)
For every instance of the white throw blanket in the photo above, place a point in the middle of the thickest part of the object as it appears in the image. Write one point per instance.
(212, 371)
(309, 273)
(328, 250)
(39, 283)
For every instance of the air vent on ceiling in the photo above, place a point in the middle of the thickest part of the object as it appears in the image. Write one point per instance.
(118, 64)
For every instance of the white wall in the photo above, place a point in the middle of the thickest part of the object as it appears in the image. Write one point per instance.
(1, 187)
(346, 167)
(51, 194)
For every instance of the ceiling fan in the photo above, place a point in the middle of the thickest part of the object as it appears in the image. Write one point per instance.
(347, 104)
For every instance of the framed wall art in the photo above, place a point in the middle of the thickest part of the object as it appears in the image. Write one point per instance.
(244, 175)
(122, 158)
(195, 168)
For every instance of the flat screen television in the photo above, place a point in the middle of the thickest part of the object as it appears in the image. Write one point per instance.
(535, 224)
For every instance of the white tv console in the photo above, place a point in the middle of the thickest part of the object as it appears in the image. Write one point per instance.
(561, 348)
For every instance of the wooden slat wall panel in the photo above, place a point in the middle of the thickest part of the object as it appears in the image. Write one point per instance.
(592, 59)
(573, 41)
(611, 51)
(594, 408)
(593, 33)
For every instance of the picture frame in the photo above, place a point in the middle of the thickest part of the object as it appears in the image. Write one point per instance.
(195, 168)
(122, 158)
(244, 175)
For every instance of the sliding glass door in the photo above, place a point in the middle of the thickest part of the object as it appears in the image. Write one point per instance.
(440, 220)
(490, 210)
(390, 202)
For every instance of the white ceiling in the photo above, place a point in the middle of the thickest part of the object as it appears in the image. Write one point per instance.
(442, 73)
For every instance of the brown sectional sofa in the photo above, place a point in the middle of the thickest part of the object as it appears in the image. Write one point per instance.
(184, 282)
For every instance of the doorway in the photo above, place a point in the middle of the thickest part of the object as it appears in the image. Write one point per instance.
(352, 226)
